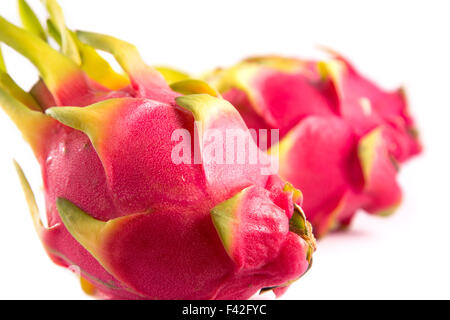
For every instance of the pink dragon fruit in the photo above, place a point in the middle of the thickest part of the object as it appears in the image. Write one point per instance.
(138, 225)
(342, 137)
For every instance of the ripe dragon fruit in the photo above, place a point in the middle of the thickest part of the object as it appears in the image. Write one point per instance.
(342, 137)
(138, 225)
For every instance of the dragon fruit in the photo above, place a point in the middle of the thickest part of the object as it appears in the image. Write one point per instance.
(342, 137)
(137, 224)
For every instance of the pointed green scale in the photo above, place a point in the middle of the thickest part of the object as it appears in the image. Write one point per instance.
(91, 233)
(92, 63)
(55, 69)
(240, 76)
(204, 106)
(98, 68)
(2, 62)
(333, 70)
(171, 75)
(83, 119)
(29, 20)
(225, 220)
(125, 53)
(369, 148)
(84, 228)
(367, 152)
(31, 123)
(205, 109)
(243, 77)
(68, 45)
(296, 193)
(297, 223)
(141, 75)
(53, 32)
(86, 56)
(92, 120)
(30, 199)
(193, 86)
(300, 226)
(10, 86)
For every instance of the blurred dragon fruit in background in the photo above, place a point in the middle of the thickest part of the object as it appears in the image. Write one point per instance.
(138, 225)
(342, 137)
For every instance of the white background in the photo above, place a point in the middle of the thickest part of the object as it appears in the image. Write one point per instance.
(394, 42)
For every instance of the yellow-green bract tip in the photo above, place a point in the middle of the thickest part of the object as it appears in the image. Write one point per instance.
(29, 20)
(84, 228)
(31, 123)
(55, 68)
(125, 53)
(2, 62)
(172, 75)
(69, 47)
(30, 198)
(83, 119)
(53, 32)
(203, 106)
(193, 86)
(92, 119)
(224, 220)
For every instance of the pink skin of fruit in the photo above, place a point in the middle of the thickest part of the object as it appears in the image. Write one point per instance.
(342, 138)
(138, 225)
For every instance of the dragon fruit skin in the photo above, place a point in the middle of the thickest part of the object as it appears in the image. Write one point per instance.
(342, 137)
(138, 225)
